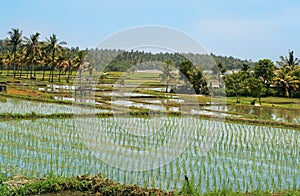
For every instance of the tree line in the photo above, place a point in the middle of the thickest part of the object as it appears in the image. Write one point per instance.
(21, 54)
(120, 60)
(262, 79)
(27, 55)
(266, 79)
(51, 57)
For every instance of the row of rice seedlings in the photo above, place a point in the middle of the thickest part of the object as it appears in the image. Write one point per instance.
(47, 149)
(19, 106)
(234, 156)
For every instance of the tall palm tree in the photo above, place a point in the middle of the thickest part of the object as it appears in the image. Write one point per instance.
(71, 59)
(33, 52)
(53, 47)
(45, 58)
(15, 40)
(19, 61)
(62, 62)
(289, 63)
(79, 61)
(286, 76)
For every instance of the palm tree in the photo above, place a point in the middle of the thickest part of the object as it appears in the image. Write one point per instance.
(20, 60)
(286, 77)
(289, 63)
(6, 59)
(33, 52)
(15, 40)
(3, 62)
(287, 81)
(62, 62)
(166, 74)
(45, 58)
(53, 47)
(71, 54)
(79, 61)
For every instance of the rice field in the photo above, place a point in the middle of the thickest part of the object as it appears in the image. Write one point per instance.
(155, 152)
(20, 106)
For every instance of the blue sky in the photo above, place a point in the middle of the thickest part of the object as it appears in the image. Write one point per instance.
(248, 29)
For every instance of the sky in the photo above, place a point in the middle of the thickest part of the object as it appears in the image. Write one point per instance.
(247, 29)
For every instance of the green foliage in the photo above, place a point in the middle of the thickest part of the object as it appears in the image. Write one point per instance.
(119, 60)
(255, 88)
(287, 77)
(193, 77)
(235, 85)
(264, 70)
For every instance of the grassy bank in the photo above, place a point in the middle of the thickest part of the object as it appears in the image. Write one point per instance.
(99, 185)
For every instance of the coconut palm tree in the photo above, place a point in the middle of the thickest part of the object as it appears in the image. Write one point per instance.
(6, 59)
(289, 63)
(3, 62)
(62, 62)
(286, 76)
(53, 47)
(15, 40)
(19, 61)
(287, 81)
(70, 54)
(33, 52)
(79, 61)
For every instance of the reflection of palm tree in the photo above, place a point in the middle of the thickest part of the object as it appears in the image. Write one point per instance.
(166, 74)
(15, 40)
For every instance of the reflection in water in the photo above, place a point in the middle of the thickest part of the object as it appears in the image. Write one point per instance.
(267, 113)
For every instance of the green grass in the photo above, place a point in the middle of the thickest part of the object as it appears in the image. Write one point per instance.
(90, 185)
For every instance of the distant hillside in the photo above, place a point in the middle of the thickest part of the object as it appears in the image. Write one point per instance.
(118, 60)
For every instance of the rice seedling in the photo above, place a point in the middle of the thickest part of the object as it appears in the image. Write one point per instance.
(238, 157)
(20, 106)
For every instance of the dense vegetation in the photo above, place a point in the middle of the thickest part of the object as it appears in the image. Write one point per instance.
(24, 56)
(29, 54)
(266, 79)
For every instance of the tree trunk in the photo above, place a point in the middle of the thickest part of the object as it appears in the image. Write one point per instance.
(167, 86)
(44, 70)
(30, 71)
(237, 98)
(21, 71)
(34, 70)
(14, 66)
(27, 72)
(59, 75)
(69, 73)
